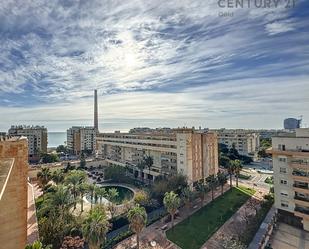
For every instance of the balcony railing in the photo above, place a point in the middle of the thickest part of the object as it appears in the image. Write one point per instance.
(302, 210)
(300, 186)
(301, 198)
(299, 173)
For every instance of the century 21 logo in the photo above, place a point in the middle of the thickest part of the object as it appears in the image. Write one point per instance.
(256, 3)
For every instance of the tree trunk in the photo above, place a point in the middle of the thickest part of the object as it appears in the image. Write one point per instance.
(82, 205)
(137, 240)
(231, 181)
(236, 180)
(172, 220)
(222, 189)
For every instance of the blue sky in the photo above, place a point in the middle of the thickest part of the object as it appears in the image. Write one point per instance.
(154, 63)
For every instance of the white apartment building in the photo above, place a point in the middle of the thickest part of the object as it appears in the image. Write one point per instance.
(37, 139)
(81, 138)
(246, 142)
(183, 151)
(291, 176)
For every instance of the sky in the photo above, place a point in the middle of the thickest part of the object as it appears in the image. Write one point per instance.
(155, 63)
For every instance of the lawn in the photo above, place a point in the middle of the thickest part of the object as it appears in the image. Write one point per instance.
(194, 231)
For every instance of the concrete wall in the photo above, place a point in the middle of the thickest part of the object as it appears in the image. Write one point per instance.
(13, 204)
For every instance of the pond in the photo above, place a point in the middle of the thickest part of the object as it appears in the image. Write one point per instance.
(124, 193)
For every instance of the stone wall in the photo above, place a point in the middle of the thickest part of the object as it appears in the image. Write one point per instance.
(13, 204)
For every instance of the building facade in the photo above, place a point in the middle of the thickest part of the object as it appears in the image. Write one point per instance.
(246, 142)
(37, 139)
(182, 151)
(80, 139)
(290, 154)
(13, 192)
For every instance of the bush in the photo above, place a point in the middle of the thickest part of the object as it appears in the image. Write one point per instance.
(246, 177)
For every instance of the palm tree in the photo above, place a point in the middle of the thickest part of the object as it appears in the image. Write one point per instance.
(171, 202)
(112, 195)
(82, 190)
(97, 190)
(202, 189)
(141, 167)
(231, 170)
(148, 162)
(137, 217)
(91, 188)
(237, 166)
(212, 184)
(58, 176)
(101, 194)
(95, 227)
(221, 179)
(74, 178)
(187, 194)
(61, 199)
(44, 176)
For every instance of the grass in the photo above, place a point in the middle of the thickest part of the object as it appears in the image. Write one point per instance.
(194, 231)
(245, 177)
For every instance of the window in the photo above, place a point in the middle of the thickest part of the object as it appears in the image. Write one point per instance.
(284, 194)
(283, 182)
(284, 204)
(282, 170)
(281, 146)
(282, 159)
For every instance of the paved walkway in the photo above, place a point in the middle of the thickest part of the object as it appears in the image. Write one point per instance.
(32, 224)
(289, 237)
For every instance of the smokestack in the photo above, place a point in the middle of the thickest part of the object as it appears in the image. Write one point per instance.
(96, 125)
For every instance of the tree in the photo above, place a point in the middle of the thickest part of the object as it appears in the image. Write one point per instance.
(97, 190)
(137, 217)
(171, 202)
(231, 170)
(237, 167)
(187, 196)
(148, 161)
(112, 194)
(73, 179)
(37, 245)
(212, 181)
(62, 148)
(49, 158)
(101, 193)
(141, 198)
(57, 176)
(82, 160)
(221, 179)
(202, 189)
(82, 190)
(91, 188)
(115, 173)
(231, 243)
(68, 168)
(95, 227)
(44, 176)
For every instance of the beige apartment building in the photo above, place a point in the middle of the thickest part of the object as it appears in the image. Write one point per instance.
(13, 192)
(37, 139)
(246, 142)
(81, 138)
(184, 151)
(290, 154)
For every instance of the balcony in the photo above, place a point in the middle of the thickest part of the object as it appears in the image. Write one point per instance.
(301, 201)
(289, 152)
(299, 175)
(302, 212)
(299, 164)
(302, 188)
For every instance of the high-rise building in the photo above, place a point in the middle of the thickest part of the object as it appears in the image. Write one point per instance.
(37, 139)
(246, 142)
(183, 151)
(80, 139)
(13, 192)
(96, 122)
(290, 152)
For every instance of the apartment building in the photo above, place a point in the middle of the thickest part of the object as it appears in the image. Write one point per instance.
(37, 139)
(13, 192)
(81, 138)
(185, 151)
(246, 142)
(290, 153)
